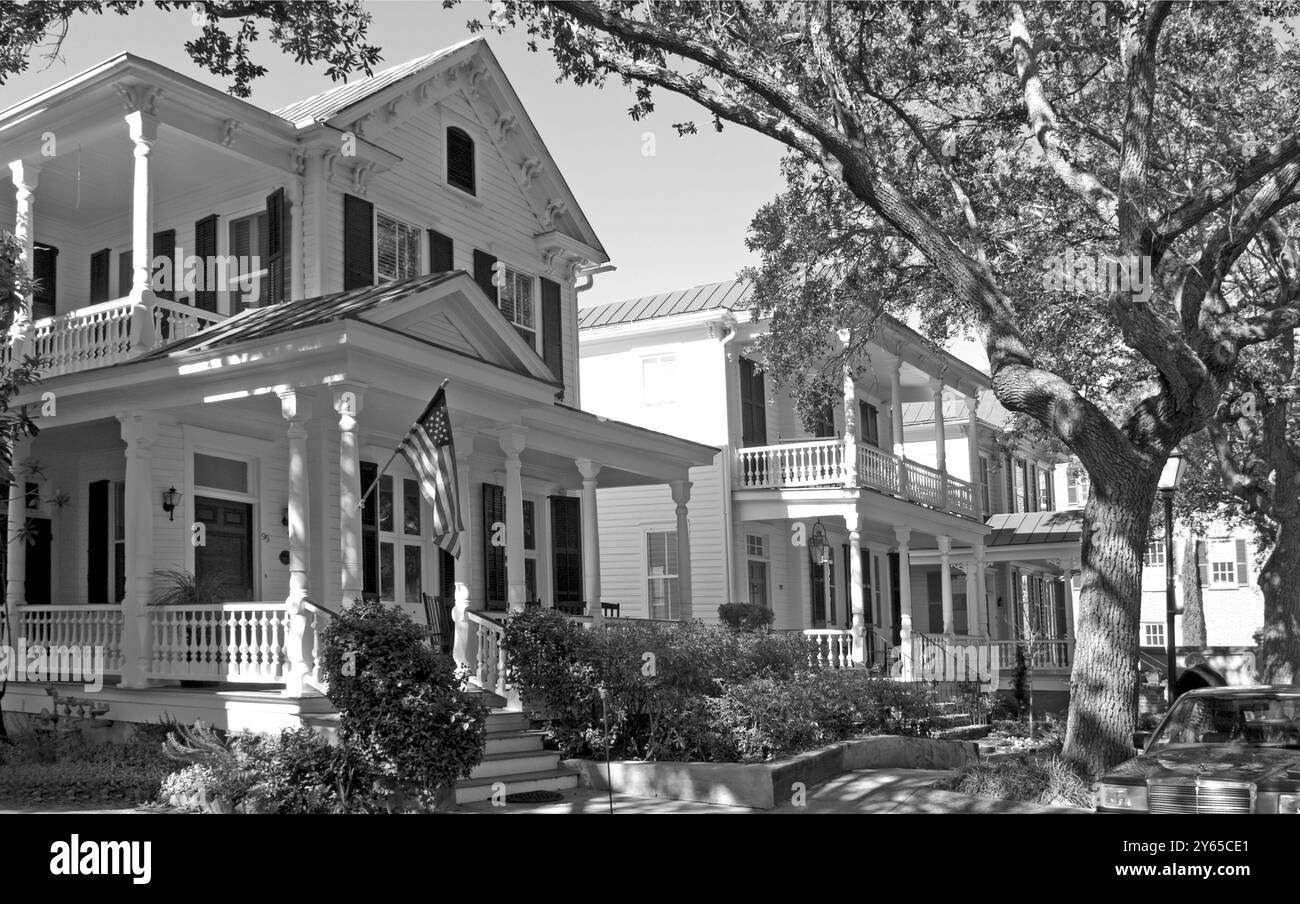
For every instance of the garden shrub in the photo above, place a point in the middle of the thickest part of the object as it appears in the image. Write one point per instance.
(403, 708)
(35, 768)
(745, 616)
(1037, 778)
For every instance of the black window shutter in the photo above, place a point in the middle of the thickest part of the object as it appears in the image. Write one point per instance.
(369, 531)
(45, 259)
(441, 258)
(205, 248)
(164, 246)
(123, 274)
(483, 264)
(566, 549)
(277, 247)
(460, 159)
(97, 553)
(99, 262)
(1243, 565)
(553, 328)
(934, 592)
(358, 243)
(1202, 564)
(753, 405)
(494, 557)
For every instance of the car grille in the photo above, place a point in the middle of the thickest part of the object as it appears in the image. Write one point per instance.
(1202, 797)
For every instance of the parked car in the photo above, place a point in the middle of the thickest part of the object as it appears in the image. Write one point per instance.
(1218, 750)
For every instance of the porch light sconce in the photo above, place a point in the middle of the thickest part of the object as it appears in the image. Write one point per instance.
(171, 499)
(818, 546)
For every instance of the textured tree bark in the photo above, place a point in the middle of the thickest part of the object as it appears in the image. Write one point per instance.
(1279, 649)
(1193, 611)
(1103, 683)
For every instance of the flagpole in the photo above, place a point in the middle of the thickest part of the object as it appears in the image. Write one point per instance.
(374, 483)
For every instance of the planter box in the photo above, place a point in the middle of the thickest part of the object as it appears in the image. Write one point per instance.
(764, 785)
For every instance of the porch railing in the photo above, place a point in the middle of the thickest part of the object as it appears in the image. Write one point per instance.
(822, 463)
(235, 642)
(1053, 653)
(830, 648)
(107, 333)
(489, 664)
(81, 626)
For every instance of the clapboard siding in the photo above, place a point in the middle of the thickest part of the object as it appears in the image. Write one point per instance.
(440, 330)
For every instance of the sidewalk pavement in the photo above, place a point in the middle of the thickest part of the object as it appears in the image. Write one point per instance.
(864, 791)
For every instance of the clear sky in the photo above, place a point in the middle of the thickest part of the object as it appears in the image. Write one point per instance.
(672, 220)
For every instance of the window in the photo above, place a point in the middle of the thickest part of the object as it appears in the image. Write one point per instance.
(398, 246)
(392, 551)
(1227, 561)
(661, 573)
(1153, 634)
(515, 299)
(756, 549)
(1044, 489)
(460, 160)
(868, 424)
(659, 380)
(45, 259)
(986, 490)
(1154, 556)
(1021, 471)
(248, 254)
(220, 473)
(119, 541)
(1076, 486)
(753, 404)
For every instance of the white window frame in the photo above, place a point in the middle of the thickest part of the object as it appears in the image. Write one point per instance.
(514, 277)
(664, 390)
(760, 553)
(416, 233)
(1150, 630)
(674, 598)
(986, 478)
(1153, 555)
(1218, 545)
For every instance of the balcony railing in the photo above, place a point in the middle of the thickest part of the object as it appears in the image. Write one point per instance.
(108, 333)
(822, 463)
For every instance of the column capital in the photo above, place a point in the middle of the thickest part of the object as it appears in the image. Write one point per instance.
(902, 534)
(587, 468)
(513, 440)
(139, 428)
(143, 129)
(295, 405)
(936, 385)
(681, 490)
(26, 175)
(348, 399)
(944, 543)
(852, 520)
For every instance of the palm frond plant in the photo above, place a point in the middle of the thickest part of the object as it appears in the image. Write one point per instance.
(177, 587)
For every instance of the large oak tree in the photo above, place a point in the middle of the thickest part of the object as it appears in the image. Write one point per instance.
(1162, 133)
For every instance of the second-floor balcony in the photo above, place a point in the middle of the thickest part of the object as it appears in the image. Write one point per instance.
(836, 463)
(103, 334)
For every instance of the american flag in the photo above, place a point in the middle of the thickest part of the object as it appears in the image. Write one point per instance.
(429, 451)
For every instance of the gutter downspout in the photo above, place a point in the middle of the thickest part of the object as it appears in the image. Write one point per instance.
(590, 274)
(729, 549)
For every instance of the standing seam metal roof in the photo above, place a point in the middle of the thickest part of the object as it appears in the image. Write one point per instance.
(728, 295)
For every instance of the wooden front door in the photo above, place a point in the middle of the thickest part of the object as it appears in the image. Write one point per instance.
(227, 555)
(38, 561)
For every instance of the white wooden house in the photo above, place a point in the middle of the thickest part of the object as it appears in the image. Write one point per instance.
(360, 232)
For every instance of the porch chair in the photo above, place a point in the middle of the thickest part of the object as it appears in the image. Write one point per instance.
(609, 610)
(437, 615)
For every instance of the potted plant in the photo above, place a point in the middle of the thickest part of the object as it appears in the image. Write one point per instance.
(177, 587)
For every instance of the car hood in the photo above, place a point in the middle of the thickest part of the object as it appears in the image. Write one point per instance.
(1242, 764)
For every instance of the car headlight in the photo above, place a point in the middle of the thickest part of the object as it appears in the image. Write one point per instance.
(1122, 797)
(1288, 803)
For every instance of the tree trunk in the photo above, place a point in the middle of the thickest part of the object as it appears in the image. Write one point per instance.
(1193, 611)
(1103, 683)
(1279, 648)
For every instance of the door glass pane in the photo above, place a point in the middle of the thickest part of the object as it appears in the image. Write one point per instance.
(413, 582)
(411, 507)
(386, 502)
(530, 579)
(220, 473)
(386, 575)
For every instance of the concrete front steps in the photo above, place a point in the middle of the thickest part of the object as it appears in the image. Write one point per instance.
(515, 758)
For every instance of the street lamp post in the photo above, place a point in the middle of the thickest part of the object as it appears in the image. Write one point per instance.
(1170, 477)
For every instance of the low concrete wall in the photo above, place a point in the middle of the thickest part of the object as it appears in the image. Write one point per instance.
(764, 785)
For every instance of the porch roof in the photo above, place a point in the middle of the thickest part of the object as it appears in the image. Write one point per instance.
(1022, 528)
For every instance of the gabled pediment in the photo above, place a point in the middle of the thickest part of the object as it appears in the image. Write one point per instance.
(453, 313)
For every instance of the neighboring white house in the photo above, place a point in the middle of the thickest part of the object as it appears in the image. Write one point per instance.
(386, 235)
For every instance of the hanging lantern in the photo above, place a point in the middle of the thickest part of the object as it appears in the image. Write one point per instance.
(819, 548)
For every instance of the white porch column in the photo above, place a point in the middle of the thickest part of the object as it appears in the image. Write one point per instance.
(940, 439)
(857, 601)
(297, 263)
(973, 450)
(903, 535)
(512, 441)
(590, 538)
(945, 583)
(971, 569)
(681, 490)
(144, 132)
(1067, 587)
(296, 409)
(26, 176)
(16, 588)
(981, 590)
(850, 392)
(139, 431)
(347, 404)
(896, 422)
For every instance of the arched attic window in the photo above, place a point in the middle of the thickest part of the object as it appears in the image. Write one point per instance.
(460, 159)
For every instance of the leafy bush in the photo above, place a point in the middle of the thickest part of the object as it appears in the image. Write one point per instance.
(403, 708)
(691, 691)
(297, 771)
(745, 616)
(34, 769)
(1042, 779)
